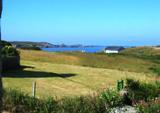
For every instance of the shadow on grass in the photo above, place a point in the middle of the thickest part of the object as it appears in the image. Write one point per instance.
(21, 73)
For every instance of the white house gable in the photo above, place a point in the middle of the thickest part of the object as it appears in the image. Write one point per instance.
(113, 49)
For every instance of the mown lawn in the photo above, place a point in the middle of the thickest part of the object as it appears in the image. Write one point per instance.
(65, 80)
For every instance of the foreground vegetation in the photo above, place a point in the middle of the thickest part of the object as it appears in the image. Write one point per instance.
(18, 102)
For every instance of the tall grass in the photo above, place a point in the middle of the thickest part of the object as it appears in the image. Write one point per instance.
(18, 102)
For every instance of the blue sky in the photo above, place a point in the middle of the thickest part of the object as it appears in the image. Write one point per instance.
(89, 22)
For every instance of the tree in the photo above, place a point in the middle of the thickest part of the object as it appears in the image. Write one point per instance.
(1, 88)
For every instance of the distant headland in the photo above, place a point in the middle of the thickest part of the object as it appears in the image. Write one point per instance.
(39, 45)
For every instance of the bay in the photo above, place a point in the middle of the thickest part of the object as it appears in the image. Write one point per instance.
(70, 49)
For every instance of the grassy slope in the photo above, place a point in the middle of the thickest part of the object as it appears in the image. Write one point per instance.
(150, 54)
(49, 70)
(121, 62)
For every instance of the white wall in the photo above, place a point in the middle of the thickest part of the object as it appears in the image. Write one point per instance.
(111, 51)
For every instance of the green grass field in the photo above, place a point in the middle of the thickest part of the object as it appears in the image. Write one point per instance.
(68, 74)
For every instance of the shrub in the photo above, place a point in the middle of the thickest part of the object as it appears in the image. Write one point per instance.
(132, 84)
(155, 70)
(158, 84)
(82, 104)
(9, 51)
(111, 98)
(142, 91)
(151, 108)
(5, 43)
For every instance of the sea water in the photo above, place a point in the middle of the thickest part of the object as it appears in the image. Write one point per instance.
(70, 49)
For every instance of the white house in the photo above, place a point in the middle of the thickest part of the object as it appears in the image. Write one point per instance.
(113, 49)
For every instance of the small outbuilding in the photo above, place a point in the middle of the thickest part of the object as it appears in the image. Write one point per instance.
(113, 49)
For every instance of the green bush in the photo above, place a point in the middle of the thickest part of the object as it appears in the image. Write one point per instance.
(158, 84)
(111, 98)
(151, 108)
(133, 84)
(142, 91)
(83, 104)
(5, 43)
(155, 70)
(9, 51)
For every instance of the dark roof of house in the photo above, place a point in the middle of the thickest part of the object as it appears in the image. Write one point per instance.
(117, 48)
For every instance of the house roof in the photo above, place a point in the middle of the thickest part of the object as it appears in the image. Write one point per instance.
(115, 48)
